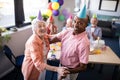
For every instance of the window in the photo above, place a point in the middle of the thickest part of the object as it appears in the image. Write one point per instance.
(31, 8)
(7, 13)
(17, 12)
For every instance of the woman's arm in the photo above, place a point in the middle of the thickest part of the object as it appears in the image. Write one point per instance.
(61, 70)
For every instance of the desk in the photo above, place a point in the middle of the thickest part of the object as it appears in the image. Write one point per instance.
(106, 57)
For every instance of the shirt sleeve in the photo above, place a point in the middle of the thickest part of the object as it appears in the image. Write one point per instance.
(100, 33)
(88, 31)
(84, 54)
(61, 34)
(37, 56)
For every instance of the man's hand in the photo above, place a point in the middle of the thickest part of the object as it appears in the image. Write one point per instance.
(62, 71)
(65, 72)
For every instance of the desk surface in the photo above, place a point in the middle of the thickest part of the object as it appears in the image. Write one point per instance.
(106, 57)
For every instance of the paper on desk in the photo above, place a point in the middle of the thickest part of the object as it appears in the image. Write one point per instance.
(57, 54)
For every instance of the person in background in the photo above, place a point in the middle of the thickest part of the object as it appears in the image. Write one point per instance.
(36, 49)
(69, 24)
(51, 28)
(93, 30)
(75, 46)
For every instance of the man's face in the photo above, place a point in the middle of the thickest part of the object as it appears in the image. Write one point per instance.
(41, 29)
(79, 25)
(94, 21)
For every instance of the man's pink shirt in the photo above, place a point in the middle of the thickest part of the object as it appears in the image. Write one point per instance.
(75, 48)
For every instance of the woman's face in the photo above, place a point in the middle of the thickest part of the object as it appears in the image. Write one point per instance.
(41, 29)
(79, 25)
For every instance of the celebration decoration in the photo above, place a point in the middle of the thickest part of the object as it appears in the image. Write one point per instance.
(82, 12)
(54, 0)
(53, 8)
(50, 6)
(60, 2)
(64, 12)
(55, 5)
(49, 12)
(39, 17)
(55, 12)
(94, 16)
(51, 19)
(61, 17)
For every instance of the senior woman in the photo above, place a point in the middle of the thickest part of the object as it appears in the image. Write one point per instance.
(36, 49)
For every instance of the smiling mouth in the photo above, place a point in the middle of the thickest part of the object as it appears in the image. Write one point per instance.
(43, 31)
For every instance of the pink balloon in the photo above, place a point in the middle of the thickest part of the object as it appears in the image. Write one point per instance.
(50, 6)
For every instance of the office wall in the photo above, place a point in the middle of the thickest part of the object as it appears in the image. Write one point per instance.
(94, 8)
(17, 45)
(18, 39)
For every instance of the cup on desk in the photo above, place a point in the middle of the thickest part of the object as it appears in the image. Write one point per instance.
(98, 51)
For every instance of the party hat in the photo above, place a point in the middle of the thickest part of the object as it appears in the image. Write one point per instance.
(70, 16)
(39, 17)
(51, 19)
(82, 12)
(94, 16)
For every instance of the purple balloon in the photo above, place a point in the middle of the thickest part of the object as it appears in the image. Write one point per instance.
(60, 2)
(66, 16)
(64, 12)
(55, 12)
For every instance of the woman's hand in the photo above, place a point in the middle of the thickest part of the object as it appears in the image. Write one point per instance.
(62, 71)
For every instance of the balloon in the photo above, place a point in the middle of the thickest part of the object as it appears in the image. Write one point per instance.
(55, 12)
(50, 6)
(66, 16)
(49, 12)
(59, 8)
(61, 18)
(54, 0)
(60, 2)
(64, 12)
(55, 5)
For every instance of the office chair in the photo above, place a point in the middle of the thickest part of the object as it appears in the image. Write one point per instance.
(16, 61)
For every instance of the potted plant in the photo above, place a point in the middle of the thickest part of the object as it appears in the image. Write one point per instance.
(3, 38)
(32, 17)
(45, 17)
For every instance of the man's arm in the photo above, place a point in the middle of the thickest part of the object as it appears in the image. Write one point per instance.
(53, 39)
(81, 68)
